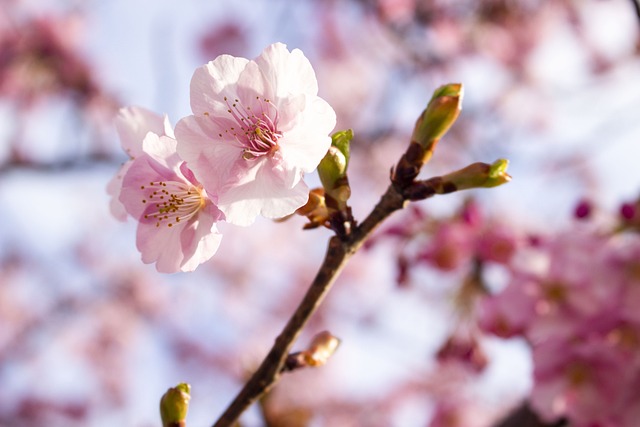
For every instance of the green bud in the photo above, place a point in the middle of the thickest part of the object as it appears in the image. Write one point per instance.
(498, 173)
(333, 169)
(174, 405)
(441, 112)
(478, 175)
(342, 140)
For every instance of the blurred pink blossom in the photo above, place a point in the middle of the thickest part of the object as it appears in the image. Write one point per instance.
(576, 304)
(257, 127)
(229, 38)
(40, 57)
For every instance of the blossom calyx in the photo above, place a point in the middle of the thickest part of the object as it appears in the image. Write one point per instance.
(174, 405)
(315, 210)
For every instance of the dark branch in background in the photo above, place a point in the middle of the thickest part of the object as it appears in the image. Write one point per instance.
(525, 417)
(636, 7)
(88, 161)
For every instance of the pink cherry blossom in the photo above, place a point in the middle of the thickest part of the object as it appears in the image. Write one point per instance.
(583, 379)
(177, 228)
(257, 127)
(133, 124)
(574, 297)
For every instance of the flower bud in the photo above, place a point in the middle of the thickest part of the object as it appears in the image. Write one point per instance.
(321, 349)
(441, 112)
(333, 169)
(476, 175)
(174, 406)
(479, 175)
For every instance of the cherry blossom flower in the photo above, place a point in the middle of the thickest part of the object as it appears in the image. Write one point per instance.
(257, 127)
(133, 124)
(177, 220)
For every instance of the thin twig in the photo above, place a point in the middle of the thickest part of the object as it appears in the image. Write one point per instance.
(338, 252)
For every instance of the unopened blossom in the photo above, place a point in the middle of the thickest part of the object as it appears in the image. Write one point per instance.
(177, 220)
(257, 127)
(133, 124)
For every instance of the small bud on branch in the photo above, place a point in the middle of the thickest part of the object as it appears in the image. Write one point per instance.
(174, 405)
(441, 112)
(476, 175)
(333, 175)
(318, 353)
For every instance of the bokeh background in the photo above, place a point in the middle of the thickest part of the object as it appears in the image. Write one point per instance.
(91, 336)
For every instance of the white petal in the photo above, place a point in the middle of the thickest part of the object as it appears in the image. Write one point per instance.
(213, 163)
(133, 124)
(199, 241)
(114, 187)
(266, 195)
(306, 144)
(160, 245)
(212, 82)
(287, 73)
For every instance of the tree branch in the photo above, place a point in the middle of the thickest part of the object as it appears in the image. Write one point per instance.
(525, 417)
(338, 252)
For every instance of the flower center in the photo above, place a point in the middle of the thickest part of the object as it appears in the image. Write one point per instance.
(258, 132)
(171, 202)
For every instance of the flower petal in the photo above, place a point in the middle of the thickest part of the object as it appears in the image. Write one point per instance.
(212, 82)
(214, 164)
(307, 143)
(266, 195)
(287, 73)
(133, 124)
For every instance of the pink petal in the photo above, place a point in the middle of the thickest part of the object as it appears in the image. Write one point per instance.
(305, 145)
(266, 195)
(133, 124)
(113, 189)
(212, 82)
(287, 73)
(213, 163)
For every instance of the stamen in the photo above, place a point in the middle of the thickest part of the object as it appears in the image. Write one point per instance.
(179, 201)
(259, 133)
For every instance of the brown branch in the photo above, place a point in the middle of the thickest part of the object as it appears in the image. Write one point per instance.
(525, 417)
(338, 252)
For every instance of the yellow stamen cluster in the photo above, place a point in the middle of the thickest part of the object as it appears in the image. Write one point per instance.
(172, 202)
